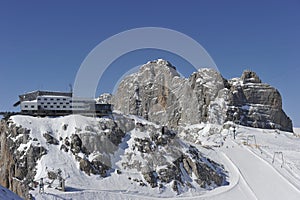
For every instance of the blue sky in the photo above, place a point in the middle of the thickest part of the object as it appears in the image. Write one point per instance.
(43, 43)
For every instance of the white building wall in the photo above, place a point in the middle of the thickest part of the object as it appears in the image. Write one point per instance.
(57, 103)
(29, 105)
(54, 102)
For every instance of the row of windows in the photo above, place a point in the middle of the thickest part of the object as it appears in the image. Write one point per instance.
(55, 103)
(56, 106)
(51, 99)
(26, 106)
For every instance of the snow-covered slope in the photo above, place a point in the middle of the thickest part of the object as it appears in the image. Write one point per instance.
(297, 131)
(148, 161)
(252, 172)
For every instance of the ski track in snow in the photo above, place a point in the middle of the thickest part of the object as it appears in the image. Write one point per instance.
(262, 178)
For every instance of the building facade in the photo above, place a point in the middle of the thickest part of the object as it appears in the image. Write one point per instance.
(47, 103)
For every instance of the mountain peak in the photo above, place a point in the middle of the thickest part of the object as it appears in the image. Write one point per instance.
(160, 61)
(249, 76)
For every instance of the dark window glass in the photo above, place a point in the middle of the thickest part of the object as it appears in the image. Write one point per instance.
(57, 106)
(45, 106)
(58, 99)
(64, 106)
(32, 106)
(51, 99)
(54, 103)
(26, 106)
(45, 99)
(48, 103)
(51, 106)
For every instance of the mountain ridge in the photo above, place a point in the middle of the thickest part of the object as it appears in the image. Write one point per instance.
(158, 93)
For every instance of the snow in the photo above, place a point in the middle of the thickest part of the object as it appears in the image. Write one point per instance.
(251, 172)
(263, 180)
(297, 131)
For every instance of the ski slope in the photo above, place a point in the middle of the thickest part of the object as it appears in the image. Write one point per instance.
(263, 180)
(251, 178)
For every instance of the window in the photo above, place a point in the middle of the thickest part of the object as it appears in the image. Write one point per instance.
(45, 99)
(45, 106)
(57, 106)
(51, 99)
(42, 103)
(64, 106)
(58, 99)
(48, 103)
(61, 103)
(51, 106)
(32, 106)
(64, 99)
(39, 99)
(70, 106)
(26, 106)
(55, 103)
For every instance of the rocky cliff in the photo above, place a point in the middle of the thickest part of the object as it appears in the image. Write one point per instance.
(158, 93)
(256, 104)
(85, 151)
(17, 165)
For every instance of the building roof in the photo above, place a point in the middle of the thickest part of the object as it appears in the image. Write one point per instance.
(33, 95)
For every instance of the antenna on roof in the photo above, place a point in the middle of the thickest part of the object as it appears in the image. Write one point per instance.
(71, 88)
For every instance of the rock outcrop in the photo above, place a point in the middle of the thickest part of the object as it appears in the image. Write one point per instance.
(158, 93)
(20, 151)
(104, 98)
(163, 158)
(59, 148)
(17, 164)
(256, 104)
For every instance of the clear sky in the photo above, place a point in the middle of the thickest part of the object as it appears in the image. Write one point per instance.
(43, 43)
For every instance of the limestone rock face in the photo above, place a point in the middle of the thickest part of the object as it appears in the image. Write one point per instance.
(151, 93)
(158, 93)
(17, 167)
(257, 104)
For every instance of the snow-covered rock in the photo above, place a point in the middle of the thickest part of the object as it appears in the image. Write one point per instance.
(104, 98)
(158, 93)
(257, 104)
(88, 152)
